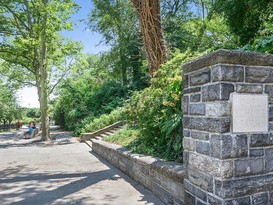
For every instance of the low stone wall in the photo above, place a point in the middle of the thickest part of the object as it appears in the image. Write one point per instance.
(164, 179)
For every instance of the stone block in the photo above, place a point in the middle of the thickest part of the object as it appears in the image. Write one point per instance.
(201, 180)
(249, 167)
(228, 146)
(256, 152)
(260, 199)
(186, 162)
(189, 144)
(200, 135)
(195, 98)
(218, 109)
(178, 201)
(217, 125)
(185, 104)
(271, 113)
(270, 126)
(269, 91)
(194, 190)
(202, 147)
(246, 186)
(229, 57)
(198, 202)
(189, 199)
(164, 195)
(230, 73)
(185, 81)
(217, 92)
(211, 166)
(249, 88)
(197, 109)
(212, 200)
(240, 201)
(199, 78)
(186, 133)
(261, 140)
(192, 90)
(269, 160)
(259, 74)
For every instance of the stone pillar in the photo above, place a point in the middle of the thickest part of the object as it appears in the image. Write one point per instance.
(228, 165)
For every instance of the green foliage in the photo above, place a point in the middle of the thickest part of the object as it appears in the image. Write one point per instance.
(80, 99)
(32, 48)
(263, 44)
(124, 136)
(116, 21)
(32, 112)
(157, 112)
(102, 121)
(9, 110)
(245, 17)
(109, 96)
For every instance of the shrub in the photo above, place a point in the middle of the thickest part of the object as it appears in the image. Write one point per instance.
(157, 111)
(101, 122)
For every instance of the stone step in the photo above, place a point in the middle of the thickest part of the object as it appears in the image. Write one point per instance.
(89, 143)
(109, 133)
(103, 135)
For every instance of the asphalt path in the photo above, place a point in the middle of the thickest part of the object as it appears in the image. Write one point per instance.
(62, 171)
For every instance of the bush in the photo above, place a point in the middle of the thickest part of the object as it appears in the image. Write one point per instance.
(108, 97)
(101, 122)
(157, 111)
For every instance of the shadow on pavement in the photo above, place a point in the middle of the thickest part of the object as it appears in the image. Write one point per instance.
(145, 192)
(34, 193)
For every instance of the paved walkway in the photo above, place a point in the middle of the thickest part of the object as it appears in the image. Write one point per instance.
(62, 171)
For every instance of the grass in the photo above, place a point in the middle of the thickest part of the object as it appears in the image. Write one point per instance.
(131, 139)
(124, 136)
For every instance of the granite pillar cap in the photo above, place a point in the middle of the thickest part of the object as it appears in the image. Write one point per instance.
(224, 56)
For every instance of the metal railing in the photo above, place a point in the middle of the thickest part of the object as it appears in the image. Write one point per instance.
(7, 126)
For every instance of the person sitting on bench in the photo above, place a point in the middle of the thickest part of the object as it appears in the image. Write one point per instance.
(28, 133)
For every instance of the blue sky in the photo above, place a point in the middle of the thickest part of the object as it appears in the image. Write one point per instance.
(28, 96)
(81, 33)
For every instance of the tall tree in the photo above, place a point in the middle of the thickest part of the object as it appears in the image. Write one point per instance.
(150, 22)
(245, 17)
(31, 43)
(117, 22)
(9, 109)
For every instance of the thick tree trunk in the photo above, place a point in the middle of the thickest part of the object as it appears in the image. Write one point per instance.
(43, 85)
(150, 22)
(44, 113)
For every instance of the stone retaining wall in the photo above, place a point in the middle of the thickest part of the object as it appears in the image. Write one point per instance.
(164, 179)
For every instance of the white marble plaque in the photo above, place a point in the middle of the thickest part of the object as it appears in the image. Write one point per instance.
(249, 113)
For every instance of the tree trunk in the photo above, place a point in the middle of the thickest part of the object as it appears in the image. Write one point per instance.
(43, 85)
(44, 113)
(150, 22)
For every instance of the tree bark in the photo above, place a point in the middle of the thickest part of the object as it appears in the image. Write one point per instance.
(43, 85)
(150, 22)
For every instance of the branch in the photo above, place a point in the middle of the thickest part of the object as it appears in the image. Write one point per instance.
(22, 64)
(69, 67)
(16, 18)
(28, 17)
(60, 79)
(18, 80)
